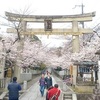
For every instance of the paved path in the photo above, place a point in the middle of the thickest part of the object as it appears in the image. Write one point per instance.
(33, 92)
(63, 86)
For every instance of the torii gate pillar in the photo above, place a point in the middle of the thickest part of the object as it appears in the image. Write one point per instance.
(23, 25)
(75, 41)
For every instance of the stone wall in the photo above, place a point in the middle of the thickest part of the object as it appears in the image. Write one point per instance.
(84, 96)
(34, 72)
(25, 77)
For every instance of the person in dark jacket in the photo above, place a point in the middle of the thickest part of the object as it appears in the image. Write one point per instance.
(14, 89)
(48, 80)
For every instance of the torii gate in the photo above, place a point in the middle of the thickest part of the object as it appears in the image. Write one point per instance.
(75, 31)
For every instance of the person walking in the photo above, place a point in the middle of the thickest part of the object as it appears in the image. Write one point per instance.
(42, 84)
(48, 91)
(14, 89)
(54, 93)
(48, 80)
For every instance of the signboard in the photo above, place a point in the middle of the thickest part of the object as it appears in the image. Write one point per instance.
(71, 70)
(48, 25)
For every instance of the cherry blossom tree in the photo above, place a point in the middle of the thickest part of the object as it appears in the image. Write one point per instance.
(33, 53)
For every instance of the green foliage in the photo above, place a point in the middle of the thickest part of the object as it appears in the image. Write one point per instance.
(35, 38)
(58, 68)
(42, 66)
(35, 68)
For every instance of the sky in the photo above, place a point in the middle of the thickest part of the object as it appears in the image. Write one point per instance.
(52, 7)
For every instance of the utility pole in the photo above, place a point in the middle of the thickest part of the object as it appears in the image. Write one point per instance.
(75, 42)
(82, 12)
(82, 6)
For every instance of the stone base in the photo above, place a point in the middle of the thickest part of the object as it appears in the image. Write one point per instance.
(96, 97)
(96, 91)
(96, 94)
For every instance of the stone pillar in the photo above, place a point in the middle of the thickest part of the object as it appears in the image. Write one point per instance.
(25, 85)
(94, 79)
(75, 41)
(2, 65)
(74, 74)
(75, 47)
(64, 86)
(96, 94)
(24, 25)
(99, 72)
(17, 71)
(2, 61)
(96, 91)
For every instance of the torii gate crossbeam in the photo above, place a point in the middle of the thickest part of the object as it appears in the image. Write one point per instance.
(75, 31)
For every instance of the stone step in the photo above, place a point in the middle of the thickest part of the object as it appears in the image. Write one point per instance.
(67, 96)
(3, 95)
(6, 98)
